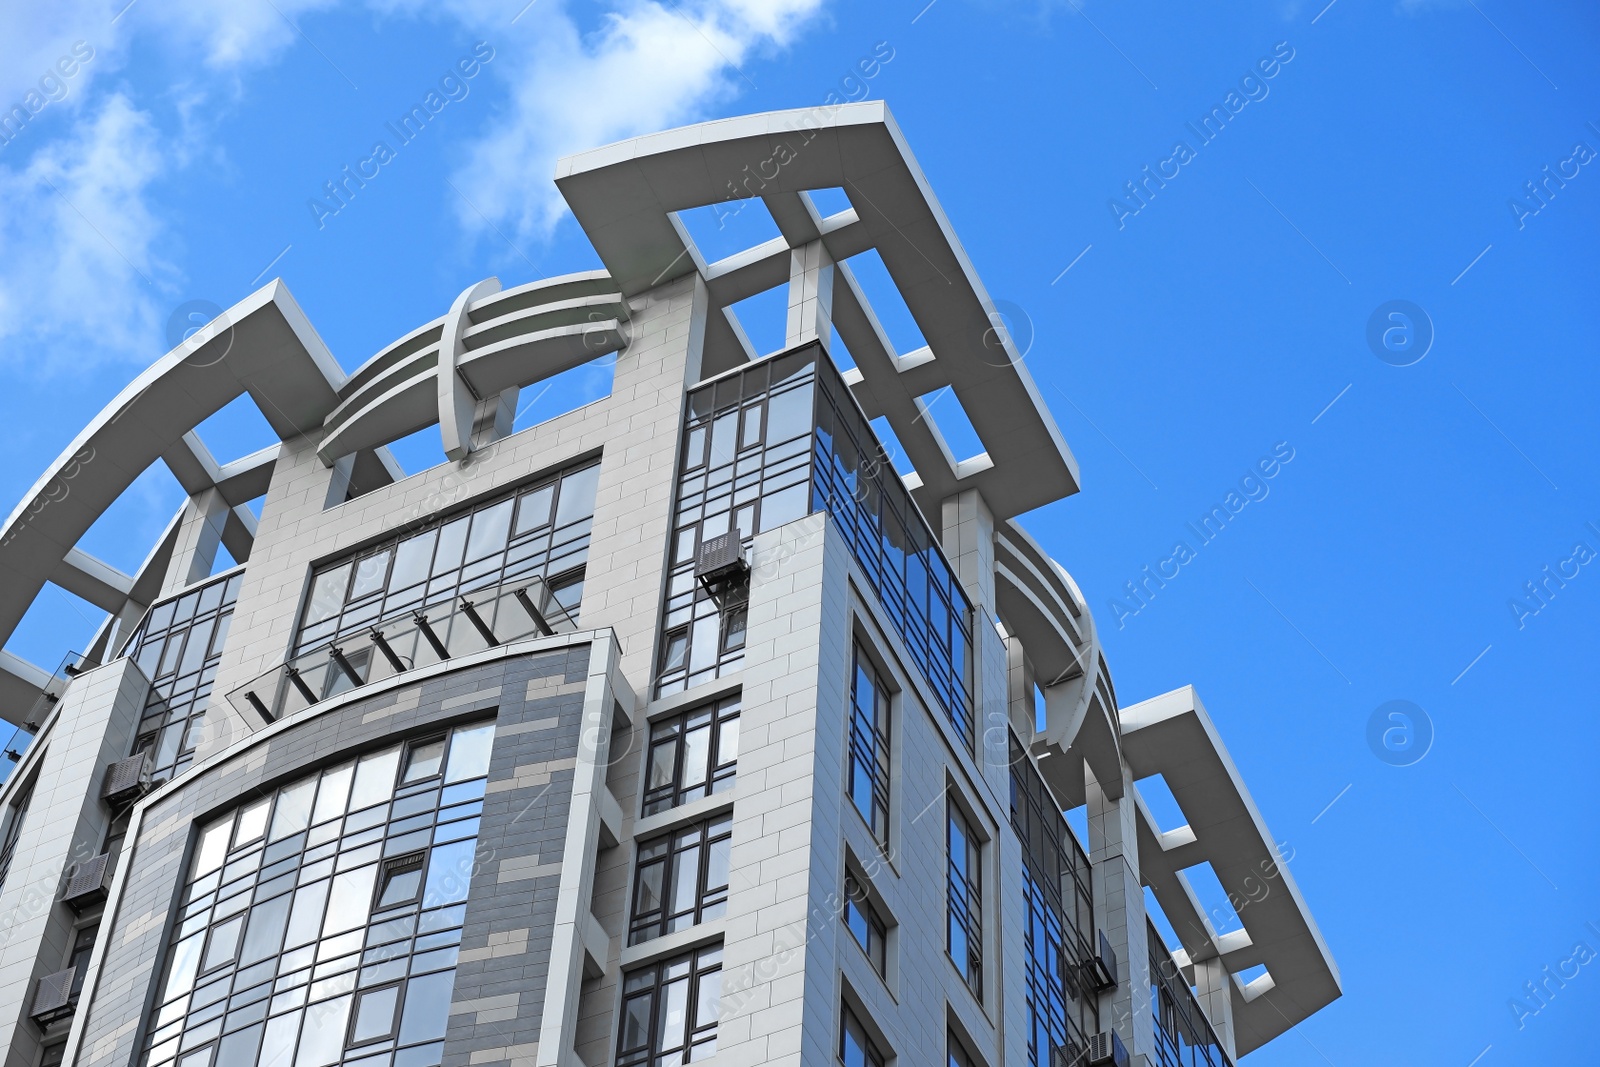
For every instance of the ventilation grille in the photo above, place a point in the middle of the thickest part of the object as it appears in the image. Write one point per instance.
(720, 561)
(1107, 1048)
(126, 780)
(88, 882)
(52, 997)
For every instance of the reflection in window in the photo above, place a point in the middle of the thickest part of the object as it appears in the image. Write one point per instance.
(669, 1011)
(745, 466)
(178, 646)
(856, 1049)
(861, 918)
(868, 781)
(956, 1052)
(681, 880)
(539, 532)
(1059, 914)
(321, 924)
(965, 899)
(692, 755)
(778, 440)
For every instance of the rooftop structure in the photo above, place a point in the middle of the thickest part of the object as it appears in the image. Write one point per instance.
(678, 727)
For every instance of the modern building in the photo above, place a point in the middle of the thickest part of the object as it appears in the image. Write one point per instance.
(680, 727)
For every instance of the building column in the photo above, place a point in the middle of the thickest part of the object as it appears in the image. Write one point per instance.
(1213, 988)
(810, 315)
(199, 534)
(1119, 912)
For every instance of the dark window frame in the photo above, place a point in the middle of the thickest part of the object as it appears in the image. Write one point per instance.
(870, 745)
(672, 734)
(710, 901)
(964, 896)
(858, 900)
(871, 1055)
(697, 1040)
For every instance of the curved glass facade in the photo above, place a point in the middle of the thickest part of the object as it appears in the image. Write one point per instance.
(321, 923)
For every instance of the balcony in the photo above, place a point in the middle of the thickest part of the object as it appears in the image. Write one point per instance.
(480, 620)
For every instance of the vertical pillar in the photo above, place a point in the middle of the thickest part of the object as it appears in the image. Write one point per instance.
(493, 416)
(65, 824)
(810, 297)
(1213, 988)
(199, 534)
(1119, 912)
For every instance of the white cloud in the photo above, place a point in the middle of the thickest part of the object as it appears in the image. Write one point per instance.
(649, 67)
(79, 276)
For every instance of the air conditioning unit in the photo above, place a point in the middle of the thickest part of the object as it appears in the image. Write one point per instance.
(1107, 1048)
(53, 997)
(88, 882)
(126, 780)
(720, 562)
(1105, 964)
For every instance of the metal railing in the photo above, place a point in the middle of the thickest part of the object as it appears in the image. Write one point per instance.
(473, 622)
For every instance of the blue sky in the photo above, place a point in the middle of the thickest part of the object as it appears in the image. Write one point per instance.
(1227, 317)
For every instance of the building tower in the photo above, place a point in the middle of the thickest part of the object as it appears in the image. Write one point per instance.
(681, 727)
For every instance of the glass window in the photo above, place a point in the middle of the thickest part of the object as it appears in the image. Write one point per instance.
(861, 918)
(494, 552)
(178, 646)
(856, 1049)
(350, 985)
(681, 879)
(576, 500)
(375, 1014)
(669, 1010)
(692, 755)
(533, 508)
(957, 1052)
(868, 781)
(965, 898)
(402, 880)
(371, 574)
(423, 759)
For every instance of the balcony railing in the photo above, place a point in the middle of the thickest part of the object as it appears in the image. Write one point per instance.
(482, 619)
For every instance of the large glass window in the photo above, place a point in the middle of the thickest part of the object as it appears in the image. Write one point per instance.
(856, 1049)
(669, 1011)
(681, 880)
(178, 647)
(540, 532)
(1059, 910)
(856, 482)
(778, 440)
(868, 780)
(320, 924)
(745, 467)
(692, 755)
(965, 894)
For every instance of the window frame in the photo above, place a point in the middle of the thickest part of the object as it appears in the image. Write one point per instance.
(858, 898)
(710, 901)
(872, 1056)
(702, 963)
(674, 731)
(871, 742)
(964, 896)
